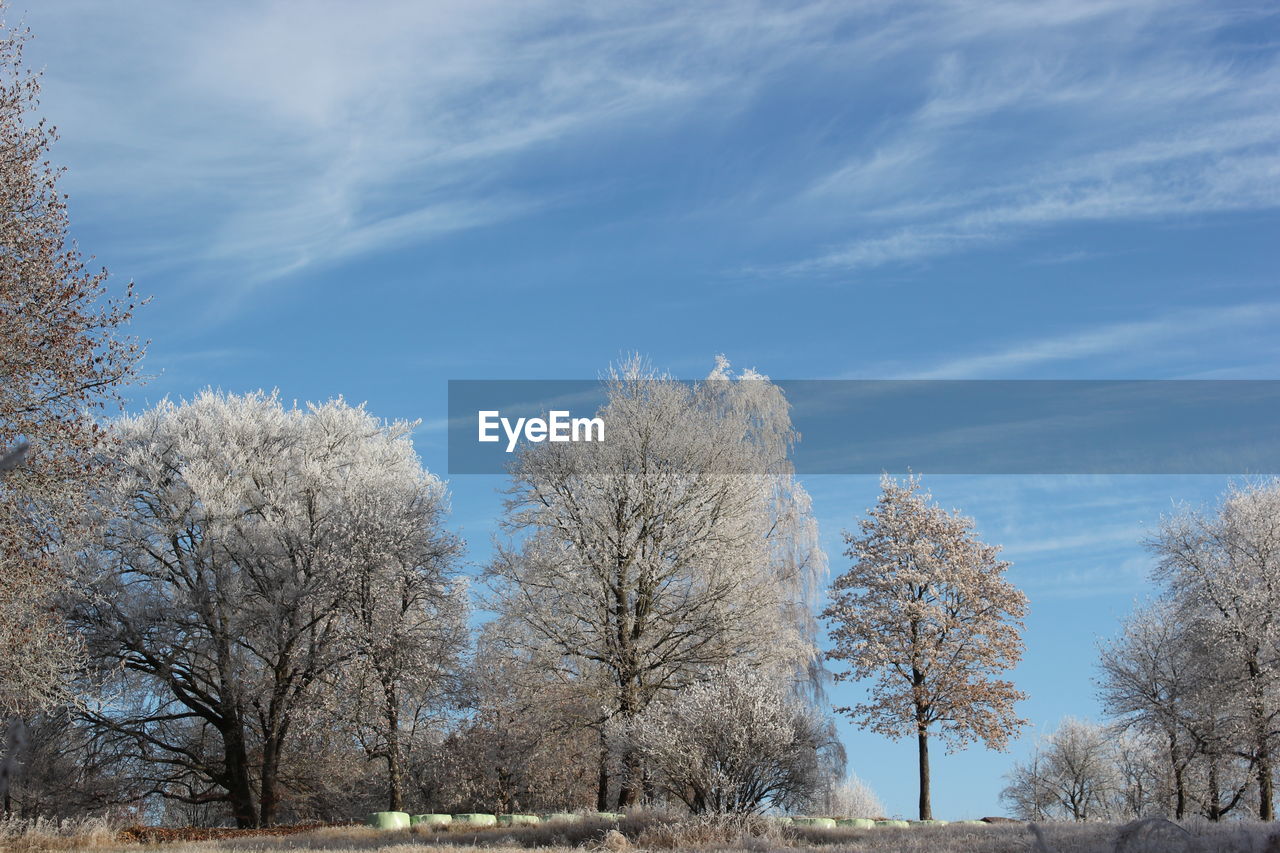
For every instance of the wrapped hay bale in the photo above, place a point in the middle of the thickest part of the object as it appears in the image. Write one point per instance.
(857, 822)
(476, 819)
(431, 819)
(518, 819)
(389, 820)
(815, 822)
(897, 824)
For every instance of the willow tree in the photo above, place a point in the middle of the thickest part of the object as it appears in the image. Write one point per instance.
(927, 614)
(677, 544)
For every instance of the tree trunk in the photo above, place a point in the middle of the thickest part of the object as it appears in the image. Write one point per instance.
(602, 781)
(926, 806)
(1214, 812)
(1266, 788)
(395, 796)
(629, 790)
(236, 770)
(1179, 783)
(628, 707)
(15, 737)
(269, 799)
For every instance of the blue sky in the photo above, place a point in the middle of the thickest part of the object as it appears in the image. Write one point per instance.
(370, 199)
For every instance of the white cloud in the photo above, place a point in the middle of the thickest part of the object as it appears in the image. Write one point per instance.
(261, 138)
(1124, 338)
(1029, 123)
(268, 137)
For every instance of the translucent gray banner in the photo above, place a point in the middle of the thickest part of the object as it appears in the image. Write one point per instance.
(933, 426)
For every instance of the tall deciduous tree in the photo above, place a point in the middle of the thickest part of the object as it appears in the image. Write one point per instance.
(666, 549)
(1153, 679)
(240, 563)
(1221, 569)
(927, 613)
(62, 357)
(408, 617)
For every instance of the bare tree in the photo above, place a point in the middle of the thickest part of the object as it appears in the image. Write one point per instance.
(234, 535)
(67, 771)
(1029, 793)
(1143, 776)
(736, 742)
(1072, 774)
(926, 611)
(524, 744)
(654, 555)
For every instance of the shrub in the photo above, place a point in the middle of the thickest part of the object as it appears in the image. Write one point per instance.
(733, 743)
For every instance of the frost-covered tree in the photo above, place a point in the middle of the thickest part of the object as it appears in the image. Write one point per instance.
(845, 797)
(408, 621)
(1072, 774)
(522, 743)
(927, 613)
(1029, 793)
(1152, 679)
(63, 358)
(1221, 569)
(738, 741)
(236, 538)
(679, 543)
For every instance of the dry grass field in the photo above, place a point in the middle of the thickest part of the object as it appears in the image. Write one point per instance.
(652, 832)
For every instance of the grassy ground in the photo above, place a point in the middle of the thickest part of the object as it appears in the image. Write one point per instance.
(756, 836)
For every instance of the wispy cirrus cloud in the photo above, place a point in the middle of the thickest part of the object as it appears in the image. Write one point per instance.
(1101, 113)
(1128, 346)
(1139, 337)
(255, 141)
(268, 138)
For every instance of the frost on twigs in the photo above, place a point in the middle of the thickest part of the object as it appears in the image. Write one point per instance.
(926, 614)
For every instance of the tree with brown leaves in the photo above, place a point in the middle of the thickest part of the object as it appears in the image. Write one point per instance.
(927, 613)
(62, 358)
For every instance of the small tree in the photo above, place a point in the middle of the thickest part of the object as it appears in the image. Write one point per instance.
(737, 742)
(1073, 774)
(847, 797)
(925, 610)
(407, 621)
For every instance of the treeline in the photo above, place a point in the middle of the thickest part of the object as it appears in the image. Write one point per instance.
(274, 620)
(1192, 682)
